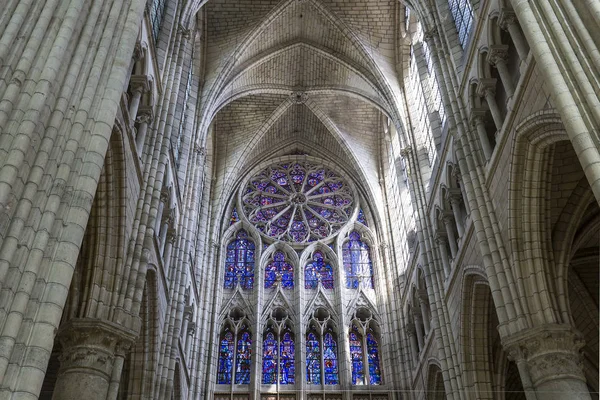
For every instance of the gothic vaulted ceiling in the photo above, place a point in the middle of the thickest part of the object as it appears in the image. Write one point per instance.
(310, 76)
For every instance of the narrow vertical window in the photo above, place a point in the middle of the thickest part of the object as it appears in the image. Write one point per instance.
(157, 14)
(317, 269)
(437, 94)
(277, 269)
(373, 354)
(269, 359)
(313, 358)
(239, 262)
(356, 357)
(462, 12)
(225, 357)
(287, 368)
(357, 261)
(243, 357)
(330, 363)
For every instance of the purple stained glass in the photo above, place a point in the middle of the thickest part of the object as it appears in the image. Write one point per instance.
(313, 359)
(279, 269)
(356, 256)
(239, 262)
(243, 358)
(269, 369)
(298, 202)
(234, 217)
(330, 362)
(356, 357)
(287, 370)
(225, 367)
(373, 354)
(361, 218)
(318, 268)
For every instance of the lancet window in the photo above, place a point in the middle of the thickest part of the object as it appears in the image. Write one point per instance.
(279, 351)
(157, 13)
(462, 12)
(319, 269)
(235, 350)
(321, 350)
(239, 262)
(358, 266)
(279, 270)
(364, 350)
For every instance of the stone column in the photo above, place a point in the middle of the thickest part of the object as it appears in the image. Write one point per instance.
(89, 353)
(419, 328)
(450, 232)
(487, 89)
(497, 56)
(139, 84)
(508, 22)
(454, 199)
(144, 118)
(442, 241)
(410, 330)
(549, 356)
(187, 316)
(477, 121)
(425, 314)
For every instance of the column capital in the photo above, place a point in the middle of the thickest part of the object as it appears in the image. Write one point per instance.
(139, 83)
(550, 351)
(422, 295)
(92, 344)
(507, 17)
(171, 235)
(145, 114)
(453, 196)
(406, 151)
(430, 35)
(497, 53)
(486, 86)
(441, 238)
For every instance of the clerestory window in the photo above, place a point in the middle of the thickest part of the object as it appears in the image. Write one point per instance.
(462, 12)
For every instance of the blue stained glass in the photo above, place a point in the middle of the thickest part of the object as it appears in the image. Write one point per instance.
(361, 218)
(269, 359)
(356, 356)
(243, 357)
(234, 217)
(357, 261)
(318, 268)
(225, 358)
(286, 360)
(330, 359)
(313, 359)
(279, 267)
(239, 262)
(373, 353)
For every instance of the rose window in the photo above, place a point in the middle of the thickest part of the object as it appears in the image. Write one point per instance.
(298, 202)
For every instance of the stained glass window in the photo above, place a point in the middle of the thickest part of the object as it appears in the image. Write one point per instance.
(373, 354)
(356, 356)
(330, 362)
(286, 360)
(435, 87)
(313, 359)
(270, 358)
(357, 261)
(318, 268)
(361, 217)
(225, 357)
(298, 202)
(234, 217)
(157, 13)
(279, 268)
(239, 262)
(462, 12)
(243, 357)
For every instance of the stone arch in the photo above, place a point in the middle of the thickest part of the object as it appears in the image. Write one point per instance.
(530, 220)
(435, 382)
(488, 373)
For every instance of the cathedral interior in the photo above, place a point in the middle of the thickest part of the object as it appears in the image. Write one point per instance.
(299, 199)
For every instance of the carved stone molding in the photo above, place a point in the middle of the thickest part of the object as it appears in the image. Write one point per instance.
(497, 53)
(299, 97)
(550, 351)
(507, 17)
(92, 344)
